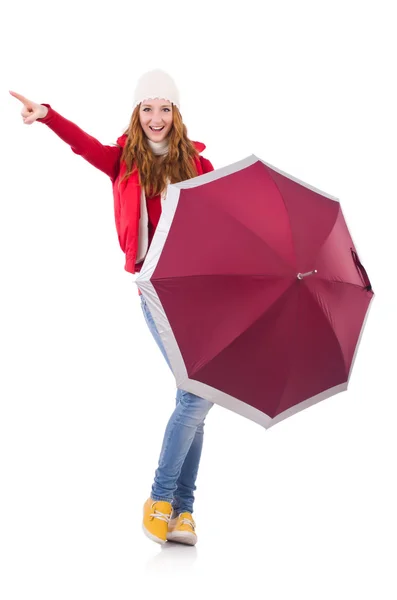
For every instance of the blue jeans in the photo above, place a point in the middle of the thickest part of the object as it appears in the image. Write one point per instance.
(180, 454)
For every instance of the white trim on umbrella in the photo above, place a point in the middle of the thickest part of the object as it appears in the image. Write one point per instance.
(238, 166)
(307, 185)
(160, 235)
(217, 173)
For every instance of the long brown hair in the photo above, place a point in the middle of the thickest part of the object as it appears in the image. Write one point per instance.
(154, 170)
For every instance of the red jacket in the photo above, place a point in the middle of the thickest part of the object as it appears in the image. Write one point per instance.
(108, 160)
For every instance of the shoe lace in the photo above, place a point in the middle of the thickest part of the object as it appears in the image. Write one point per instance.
(188, 522)
(157, 514)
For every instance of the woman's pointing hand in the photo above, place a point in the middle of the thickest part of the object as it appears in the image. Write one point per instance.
(31, 110)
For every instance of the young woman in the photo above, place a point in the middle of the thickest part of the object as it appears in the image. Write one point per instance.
(154, 151)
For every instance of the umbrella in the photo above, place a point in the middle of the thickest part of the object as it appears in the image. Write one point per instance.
(257, 290)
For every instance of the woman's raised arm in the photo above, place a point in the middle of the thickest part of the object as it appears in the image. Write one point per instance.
(105, 158)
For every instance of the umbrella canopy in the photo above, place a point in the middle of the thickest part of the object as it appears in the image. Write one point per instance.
(257, 290)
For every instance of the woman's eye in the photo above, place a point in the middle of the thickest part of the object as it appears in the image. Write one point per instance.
(145, 109)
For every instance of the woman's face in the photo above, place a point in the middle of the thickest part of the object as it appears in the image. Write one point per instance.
(156, 113)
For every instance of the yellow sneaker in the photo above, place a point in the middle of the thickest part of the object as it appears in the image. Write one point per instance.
(182, 529)
(156, 516)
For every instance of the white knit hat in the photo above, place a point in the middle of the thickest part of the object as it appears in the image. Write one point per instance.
(156, 84)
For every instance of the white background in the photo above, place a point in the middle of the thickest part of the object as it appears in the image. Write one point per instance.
(303, 510)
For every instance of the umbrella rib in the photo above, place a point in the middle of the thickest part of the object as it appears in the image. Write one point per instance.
(230, 215)
(328, 321)
(291, 346)
(340, 282)
(289, 218)
(296, 328)
(246, 329)
(329, 233)
(176, 277)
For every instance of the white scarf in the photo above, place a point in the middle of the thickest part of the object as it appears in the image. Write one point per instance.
(143, 235)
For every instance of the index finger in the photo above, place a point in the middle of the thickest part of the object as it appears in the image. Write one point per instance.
(20, 97)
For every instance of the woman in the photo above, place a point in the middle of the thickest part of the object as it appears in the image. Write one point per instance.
(153, 151)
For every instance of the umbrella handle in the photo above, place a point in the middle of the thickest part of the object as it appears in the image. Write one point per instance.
(364, 275)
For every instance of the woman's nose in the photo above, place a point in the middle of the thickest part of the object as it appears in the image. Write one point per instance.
(157, 118)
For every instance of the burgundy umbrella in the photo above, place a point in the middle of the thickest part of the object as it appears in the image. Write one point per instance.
(257, 290)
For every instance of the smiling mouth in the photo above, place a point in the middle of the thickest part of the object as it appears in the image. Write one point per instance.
(157, 130)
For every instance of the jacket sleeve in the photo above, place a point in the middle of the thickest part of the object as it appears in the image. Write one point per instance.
(205, 163)
(104, 158)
